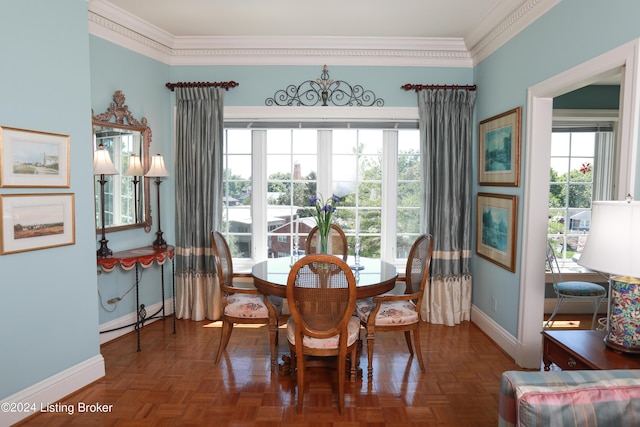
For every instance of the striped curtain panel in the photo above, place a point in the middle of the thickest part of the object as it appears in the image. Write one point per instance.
(446, 129)
(199, 139)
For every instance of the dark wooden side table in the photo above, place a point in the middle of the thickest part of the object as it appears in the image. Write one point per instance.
(583, 349)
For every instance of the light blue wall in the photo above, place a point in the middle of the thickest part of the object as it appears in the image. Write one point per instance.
(48, 305)
(142, 80)
(571, 33)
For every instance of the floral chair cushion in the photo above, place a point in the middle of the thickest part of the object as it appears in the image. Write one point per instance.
(248, 306)
(391, 313)
(353, 328)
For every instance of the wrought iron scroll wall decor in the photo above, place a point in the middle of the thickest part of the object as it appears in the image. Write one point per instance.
(325, 91)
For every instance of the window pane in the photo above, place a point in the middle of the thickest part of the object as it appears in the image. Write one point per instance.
(238, 141)
(560, 143)
(236, 188)
(410, 220)
(291, 181)
(344, 141)
(408, 142)
(580, 196)
(408, 194)
(361, 187)
(370, 194)
(582, 144)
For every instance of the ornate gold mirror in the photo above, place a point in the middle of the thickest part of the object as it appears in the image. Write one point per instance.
(126, 199)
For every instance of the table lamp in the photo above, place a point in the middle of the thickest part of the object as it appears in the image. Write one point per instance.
(102, 165)
(157, 170)
(611, 248)
(135, 170)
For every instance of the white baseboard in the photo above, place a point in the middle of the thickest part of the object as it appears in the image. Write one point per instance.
(51, 390)
(507, 342)
(129, 319)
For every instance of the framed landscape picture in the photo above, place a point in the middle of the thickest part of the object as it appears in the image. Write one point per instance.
(496, 229)
(499, 155)
(36, 221)
(33, 159)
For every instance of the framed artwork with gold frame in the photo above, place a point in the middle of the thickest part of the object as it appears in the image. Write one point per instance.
(499, 149)
(496, 229)
(33, 159)
(36, 221)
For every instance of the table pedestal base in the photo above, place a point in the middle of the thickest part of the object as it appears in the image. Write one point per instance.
(287, 367)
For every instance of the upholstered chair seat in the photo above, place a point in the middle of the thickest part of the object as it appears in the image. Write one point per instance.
(353, 328)
(390, 313)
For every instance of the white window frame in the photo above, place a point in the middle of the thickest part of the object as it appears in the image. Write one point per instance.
(254, 115)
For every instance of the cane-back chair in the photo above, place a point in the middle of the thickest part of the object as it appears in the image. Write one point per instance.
(400, 313)
(242, 304)
(321, 293)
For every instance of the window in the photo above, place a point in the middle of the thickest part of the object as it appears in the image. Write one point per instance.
(582, 170)
(271, 173)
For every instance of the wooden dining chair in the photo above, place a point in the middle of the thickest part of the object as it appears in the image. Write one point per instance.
(244, 305)
(400, 313)
(337, 242)
(321, 293)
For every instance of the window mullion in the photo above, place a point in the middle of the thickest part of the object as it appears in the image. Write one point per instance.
(390, 193)
(325, 173)
(258, 196)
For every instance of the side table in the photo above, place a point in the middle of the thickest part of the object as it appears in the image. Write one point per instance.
(583, 349)
(144, 257)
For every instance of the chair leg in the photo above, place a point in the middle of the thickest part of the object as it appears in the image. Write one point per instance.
(370, 339)
(596, 303)
(342, 371)
(416, 345)
(354, 363)
(407, 337)
(227, 327)
(300, 378)
(555, 311)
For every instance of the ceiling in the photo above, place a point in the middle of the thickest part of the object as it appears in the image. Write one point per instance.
(340, 18)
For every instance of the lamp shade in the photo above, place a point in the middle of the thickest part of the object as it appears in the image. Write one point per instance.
(614, 235)
(102, 164)
(157, 167)
(135, 166)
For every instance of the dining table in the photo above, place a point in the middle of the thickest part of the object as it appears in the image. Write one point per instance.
(373, 277)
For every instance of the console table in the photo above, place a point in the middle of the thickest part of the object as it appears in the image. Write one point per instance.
(583, 349)
(144, 257)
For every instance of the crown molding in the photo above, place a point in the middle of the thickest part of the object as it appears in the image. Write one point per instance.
(314, 50)
(122, 28)
(516, 22)
(120, 35)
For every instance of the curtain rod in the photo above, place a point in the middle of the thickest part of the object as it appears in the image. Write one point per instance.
(417, 87)
(225, 85)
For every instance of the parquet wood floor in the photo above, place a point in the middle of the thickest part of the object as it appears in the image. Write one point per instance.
(173, 382)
